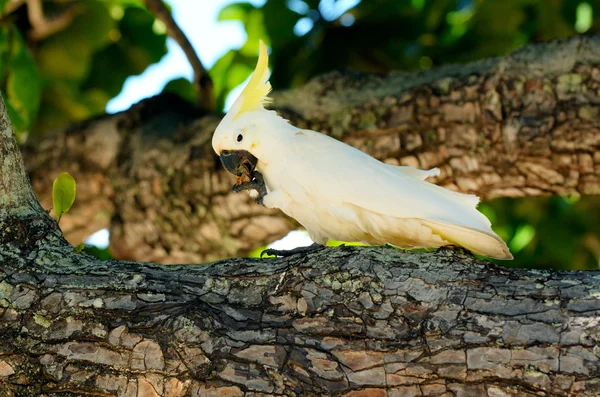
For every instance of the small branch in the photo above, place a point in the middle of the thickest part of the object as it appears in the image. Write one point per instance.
(41, 26)
(202, 80)
(12, 5)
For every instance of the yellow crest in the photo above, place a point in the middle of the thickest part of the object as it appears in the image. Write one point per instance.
(255, 93)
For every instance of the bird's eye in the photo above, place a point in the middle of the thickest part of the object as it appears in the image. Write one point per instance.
(240, 137)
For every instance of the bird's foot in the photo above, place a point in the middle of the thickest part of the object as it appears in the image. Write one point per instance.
(297, 250)
(454, 250)
(257, 183)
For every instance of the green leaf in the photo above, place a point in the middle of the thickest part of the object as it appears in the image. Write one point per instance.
(68, 53)
(182, 87)
(4, 51)
(235, 12)
(137, 47)
(255, 30)
(63, 194)
(78, 82)
(16, 118)
(523, 236)
(228, 72)
(256, 253)
(100, 253)
(23, 85)
(279, 23)
(3, 4)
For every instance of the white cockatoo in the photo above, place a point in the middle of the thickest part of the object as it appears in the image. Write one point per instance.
(337, 191)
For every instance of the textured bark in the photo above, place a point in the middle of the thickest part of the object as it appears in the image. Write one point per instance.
(346, 321)
(522, 125)
(351, 321)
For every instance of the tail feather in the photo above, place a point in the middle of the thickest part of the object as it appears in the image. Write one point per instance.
(476, 241)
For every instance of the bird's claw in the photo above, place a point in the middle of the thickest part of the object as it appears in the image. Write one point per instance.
(294, 251)
(257, 183)
(241, 187)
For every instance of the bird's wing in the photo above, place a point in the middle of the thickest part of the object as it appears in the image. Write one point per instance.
(337, 173)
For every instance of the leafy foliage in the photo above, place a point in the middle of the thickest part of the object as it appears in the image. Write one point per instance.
(71, 74)
(21, 77)
(64, 190)
(312, 37)
(549, 232)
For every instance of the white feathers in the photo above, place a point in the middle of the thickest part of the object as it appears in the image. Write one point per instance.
(339, 192)
(336, 191)
(410, 171)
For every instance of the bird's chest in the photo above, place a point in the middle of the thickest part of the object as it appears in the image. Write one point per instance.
(288, 195)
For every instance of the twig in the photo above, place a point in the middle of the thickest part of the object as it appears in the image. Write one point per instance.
(202, 81)
(41, 25)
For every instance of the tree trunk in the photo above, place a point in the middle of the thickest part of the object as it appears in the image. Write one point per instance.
(523, 125)
(350, 321)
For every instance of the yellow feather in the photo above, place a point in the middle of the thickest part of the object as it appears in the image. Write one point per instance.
(255, 93)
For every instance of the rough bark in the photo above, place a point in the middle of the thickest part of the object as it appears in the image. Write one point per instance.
(346, 321)
(523, 125)
(352, 321)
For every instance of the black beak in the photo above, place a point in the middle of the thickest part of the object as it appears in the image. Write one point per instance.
(238, 162)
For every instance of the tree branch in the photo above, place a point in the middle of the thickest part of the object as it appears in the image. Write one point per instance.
(41, 25)
(16, 195)
(351, 321)
(523, 125)
(367, 321)
(202, 80)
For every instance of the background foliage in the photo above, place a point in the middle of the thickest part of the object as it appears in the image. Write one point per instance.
(69, 75)
(312, 37)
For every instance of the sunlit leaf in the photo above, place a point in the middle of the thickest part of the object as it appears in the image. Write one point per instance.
(17, 118)
(182, 87)
(255, 30)
(64, 190)
(522, 237)
(228, 72)
(585, 15)
(256, 253)
(235, 12)
(23, 85)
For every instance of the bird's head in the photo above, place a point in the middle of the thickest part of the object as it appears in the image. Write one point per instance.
(237, 138)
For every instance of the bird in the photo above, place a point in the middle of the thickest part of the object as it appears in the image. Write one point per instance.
(338, 192)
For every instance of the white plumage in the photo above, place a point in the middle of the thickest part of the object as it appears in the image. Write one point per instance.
(336, 191)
